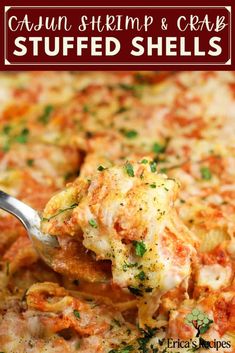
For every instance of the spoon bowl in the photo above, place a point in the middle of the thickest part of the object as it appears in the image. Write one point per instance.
(46, 245)
(72, 265)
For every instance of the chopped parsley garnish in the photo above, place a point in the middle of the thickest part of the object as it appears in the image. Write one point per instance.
(134, 89)
(153, 186)
(7, 268)
(130, 134)
(78, 345)
(122, 110)
(126, 349)
(23, 136)
(140, 78)
(6, 147)
(157, 148)
(44, 118)
(93, 223)
(77, 314)
(147, 333)
(69, 175)
(141, 276)
(30, 162)
(101, 168)
(205, 173)
(144, 161)
(153, 167)
(85, 108)
(116, 322)
(60, 211)
(129, 265)
(127, 87)
(129, 169)
(6, 129)
(136, 291)
(140, 248)
(148, 290)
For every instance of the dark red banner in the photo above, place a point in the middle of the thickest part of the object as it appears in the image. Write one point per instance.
(117, 37)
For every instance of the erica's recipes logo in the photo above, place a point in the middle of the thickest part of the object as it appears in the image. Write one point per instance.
(202, 323)
(199, 320)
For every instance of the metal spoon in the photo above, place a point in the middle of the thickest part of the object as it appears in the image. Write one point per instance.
(46, 245)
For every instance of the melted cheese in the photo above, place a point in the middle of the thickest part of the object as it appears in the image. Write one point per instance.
(214, 276)
(131, 207)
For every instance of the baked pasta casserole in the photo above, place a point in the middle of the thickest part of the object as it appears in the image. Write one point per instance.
(134, 173)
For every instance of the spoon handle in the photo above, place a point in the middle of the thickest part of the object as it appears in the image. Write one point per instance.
(29, 218)
(23, 212)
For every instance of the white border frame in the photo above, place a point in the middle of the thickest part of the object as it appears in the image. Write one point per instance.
(6, 62)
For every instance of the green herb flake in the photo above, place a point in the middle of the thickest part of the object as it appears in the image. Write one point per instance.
(205, 173)
(6, 129)
(122, 110)
(144, 161)
(140, 78)
(129, 169)
(116, 322)
(44, 118)
(140, 248)
(6, 147)
(78, 345)
(128, 265)
(23, 136)
(68, 176)
(85, 109)
(158, 148)
(126, 349)
(153, 186)
(141, 276)
(7, 268)
(127, 87)
(130, 134)
(143, 341)
(153, 166)
(148, 290)
(93, 223)
(77, 314)
(30, 162)
(101, 168)
(60, 211)
(136, 291)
